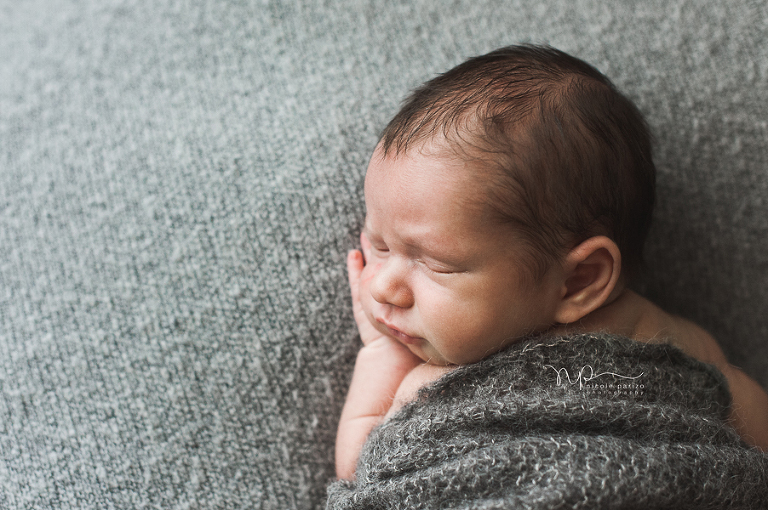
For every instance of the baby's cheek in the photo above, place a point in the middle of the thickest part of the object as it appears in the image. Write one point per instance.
(465, 334)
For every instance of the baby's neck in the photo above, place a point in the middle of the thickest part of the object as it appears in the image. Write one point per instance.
(626, 313)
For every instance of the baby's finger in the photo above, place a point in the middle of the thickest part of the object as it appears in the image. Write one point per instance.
(366, 245)
(354, 270)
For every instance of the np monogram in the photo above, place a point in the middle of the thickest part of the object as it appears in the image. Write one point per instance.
(586, 374)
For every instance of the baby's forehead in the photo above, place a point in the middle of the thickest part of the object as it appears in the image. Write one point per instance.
(473, 184)
(422, 164)
(462, 150)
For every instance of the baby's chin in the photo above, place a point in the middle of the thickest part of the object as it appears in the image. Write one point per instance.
(430, 356)
(434, 357)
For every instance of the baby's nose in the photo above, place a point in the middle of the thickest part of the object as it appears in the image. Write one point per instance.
(389, 285)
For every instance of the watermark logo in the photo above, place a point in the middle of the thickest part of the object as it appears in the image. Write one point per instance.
(611, 383)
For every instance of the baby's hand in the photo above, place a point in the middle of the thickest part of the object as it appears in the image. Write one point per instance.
(355, 264)
(380, 368)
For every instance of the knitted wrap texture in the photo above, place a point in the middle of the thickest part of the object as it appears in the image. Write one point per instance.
(586, 421)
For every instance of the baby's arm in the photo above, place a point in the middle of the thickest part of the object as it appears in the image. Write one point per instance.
(749, 402)
(636, 317)
(749, 407)
(381, 366)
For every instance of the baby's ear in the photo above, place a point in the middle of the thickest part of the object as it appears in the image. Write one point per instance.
(592, 271)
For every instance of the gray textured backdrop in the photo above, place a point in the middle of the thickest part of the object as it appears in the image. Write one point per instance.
(180, 181)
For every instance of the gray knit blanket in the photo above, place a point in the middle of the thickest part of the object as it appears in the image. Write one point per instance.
(588, 421)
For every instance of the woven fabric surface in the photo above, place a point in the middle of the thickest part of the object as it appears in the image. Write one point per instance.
(180, 182)
(590, 421)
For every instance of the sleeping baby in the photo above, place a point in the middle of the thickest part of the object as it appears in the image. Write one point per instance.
(509, 197)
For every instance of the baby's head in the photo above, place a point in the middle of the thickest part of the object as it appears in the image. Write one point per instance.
(504, 197)
(559, 152)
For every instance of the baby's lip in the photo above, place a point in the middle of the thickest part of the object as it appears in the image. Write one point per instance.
(403, 337)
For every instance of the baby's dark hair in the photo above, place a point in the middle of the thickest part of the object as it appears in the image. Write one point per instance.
(563, 154)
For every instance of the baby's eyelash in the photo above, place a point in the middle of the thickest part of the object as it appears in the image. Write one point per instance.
(433, 270)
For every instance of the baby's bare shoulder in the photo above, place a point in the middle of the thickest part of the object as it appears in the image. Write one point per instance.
(697, 342)
(634, 316)
(683, 333)
(749, 408)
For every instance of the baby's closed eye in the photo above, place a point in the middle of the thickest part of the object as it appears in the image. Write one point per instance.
(438, 267)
